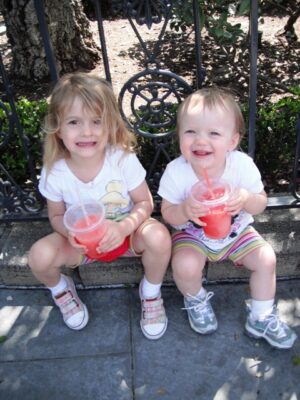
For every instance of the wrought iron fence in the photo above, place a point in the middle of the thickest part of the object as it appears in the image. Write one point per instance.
(153, 94)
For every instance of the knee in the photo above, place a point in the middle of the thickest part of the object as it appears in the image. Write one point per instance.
(158, 238)
(187, 265)
(41, 255)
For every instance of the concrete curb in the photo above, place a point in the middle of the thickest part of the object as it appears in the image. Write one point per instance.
(280, 228)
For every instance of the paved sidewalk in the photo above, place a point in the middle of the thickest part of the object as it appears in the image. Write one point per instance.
(110, 359)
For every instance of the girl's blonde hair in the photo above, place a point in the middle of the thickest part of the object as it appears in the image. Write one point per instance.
(97, 97)
(214, 97)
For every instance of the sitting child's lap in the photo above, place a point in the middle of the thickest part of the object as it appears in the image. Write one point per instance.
(245, 243)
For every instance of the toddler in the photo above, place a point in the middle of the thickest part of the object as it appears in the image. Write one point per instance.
(210, 126)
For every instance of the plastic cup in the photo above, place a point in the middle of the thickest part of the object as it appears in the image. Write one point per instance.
(218, 222)
(87, 223)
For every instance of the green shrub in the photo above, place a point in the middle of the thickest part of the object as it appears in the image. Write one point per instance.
(275, 139)
(31, 115)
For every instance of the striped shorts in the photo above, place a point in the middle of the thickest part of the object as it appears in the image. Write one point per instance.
(248, 240)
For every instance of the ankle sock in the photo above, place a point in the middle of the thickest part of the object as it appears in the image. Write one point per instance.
(60, 287)
(202, 293)
(260, 309)
(150, 290)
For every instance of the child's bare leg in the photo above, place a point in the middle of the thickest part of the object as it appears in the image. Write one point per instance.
(45, 258)
(47, 255)
(187, 266)
(154, 242)
(262, 264)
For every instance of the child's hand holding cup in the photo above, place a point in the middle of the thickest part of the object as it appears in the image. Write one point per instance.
(87, 224)
(214, 197)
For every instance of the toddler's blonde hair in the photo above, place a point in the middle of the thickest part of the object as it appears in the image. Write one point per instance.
(214, 97)
(97, 97)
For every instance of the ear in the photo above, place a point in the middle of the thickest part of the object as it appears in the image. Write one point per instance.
(234, 141)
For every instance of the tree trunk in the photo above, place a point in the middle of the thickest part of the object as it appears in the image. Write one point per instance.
(70, 35)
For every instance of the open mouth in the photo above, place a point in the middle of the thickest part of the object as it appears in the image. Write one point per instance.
(201, 153)
(86, 144)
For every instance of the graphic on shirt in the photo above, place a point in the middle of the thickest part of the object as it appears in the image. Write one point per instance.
(115, 204)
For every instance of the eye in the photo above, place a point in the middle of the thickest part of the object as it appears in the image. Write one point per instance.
(214, 133)
(97, 121)
(189, 132)
(73, 122)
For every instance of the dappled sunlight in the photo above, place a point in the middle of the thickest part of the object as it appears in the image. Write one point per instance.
(123, 384)
(21, 324)
(8, 317)
(290, 310)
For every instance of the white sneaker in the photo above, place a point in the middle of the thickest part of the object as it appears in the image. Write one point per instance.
(74, 311)
(153, 319)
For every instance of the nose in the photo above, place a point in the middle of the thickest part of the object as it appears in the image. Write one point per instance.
(87, 129)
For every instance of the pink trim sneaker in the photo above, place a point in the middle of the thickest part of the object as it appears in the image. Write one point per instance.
(74, 311)
(153, 319)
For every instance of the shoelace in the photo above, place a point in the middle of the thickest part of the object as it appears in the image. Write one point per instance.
(275, 324)
(199, 304)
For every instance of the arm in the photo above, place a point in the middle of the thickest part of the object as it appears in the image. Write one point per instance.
(242, 199)
(56, 212)
(142, 209)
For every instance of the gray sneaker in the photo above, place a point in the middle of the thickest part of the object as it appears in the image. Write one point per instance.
(272, 329)
(201, 315)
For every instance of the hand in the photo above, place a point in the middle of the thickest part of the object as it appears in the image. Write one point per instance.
(193, 210)
(113, 237)
(237, 201)
(81, 248)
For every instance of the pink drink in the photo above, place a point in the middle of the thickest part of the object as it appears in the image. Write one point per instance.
(90, 238)
(87, 223)
(218, 222)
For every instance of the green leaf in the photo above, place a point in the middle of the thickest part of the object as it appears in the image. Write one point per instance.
(2, 339)
(296, 360)
(244, 8)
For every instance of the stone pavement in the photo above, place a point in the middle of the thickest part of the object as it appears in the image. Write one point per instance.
(40, 358)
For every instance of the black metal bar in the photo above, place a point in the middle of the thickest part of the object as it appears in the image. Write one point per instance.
(40, 12)
(294, 185)
(199, 71)
(102, 40)
(253, 76)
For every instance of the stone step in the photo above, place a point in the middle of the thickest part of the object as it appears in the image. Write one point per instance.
(280, 228)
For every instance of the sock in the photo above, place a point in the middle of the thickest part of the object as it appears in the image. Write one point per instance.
(60, 287)
(202, 293)
(260, 309)
(150, 290)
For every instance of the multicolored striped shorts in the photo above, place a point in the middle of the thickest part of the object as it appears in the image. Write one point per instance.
(248, 240)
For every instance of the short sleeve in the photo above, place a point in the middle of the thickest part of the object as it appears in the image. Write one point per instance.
(168, 187)
(48, 187)
(133, 171)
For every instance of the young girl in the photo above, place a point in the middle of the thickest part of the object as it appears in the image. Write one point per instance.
(210, 126)
(89, 149)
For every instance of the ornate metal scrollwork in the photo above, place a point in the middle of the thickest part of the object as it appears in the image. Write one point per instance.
(144, 11)
(154, 96)
(15, 201)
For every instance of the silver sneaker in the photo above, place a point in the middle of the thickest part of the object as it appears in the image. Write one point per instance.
(201, 315)
(272, 329)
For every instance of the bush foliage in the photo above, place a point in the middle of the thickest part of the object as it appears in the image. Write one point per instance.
(275, 140)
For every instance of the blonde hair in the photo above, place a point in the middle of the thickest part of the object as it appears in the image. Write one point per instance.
(214, 97)
(97, 96)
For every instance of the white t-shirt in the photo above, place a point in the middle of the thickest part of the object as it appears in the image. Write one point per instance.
(240, 171)
(121, 173)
